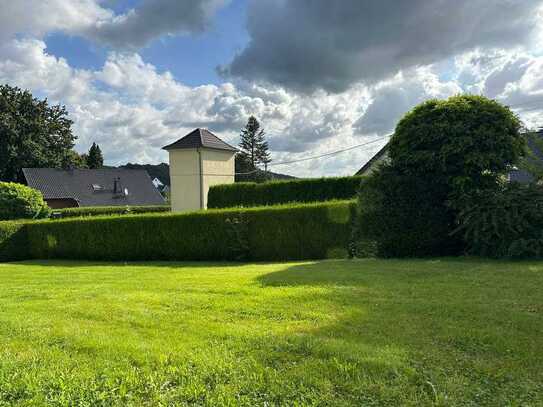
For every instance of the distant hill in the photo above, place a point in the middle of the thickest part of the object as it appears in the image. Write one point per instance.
(162, 172)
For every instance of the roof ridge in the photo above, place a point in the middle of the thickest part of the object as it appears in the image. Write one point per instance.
(201, 134)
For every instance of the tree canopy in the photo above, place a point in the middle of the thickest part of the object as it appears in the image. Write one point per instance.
(464, 141)
(441, 152)
(32, 134)
(94, 158)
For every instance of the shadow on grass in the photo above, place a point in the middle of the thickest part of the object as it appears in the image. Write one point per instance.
(420, 327)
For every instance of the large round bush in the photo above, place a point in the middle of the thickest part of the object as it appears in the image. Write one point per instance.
(441, 151)
(18, 201)
(465, 141)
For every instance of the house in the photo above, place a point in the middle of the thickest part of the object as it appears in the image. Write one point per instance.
(96, 187)
(380, 157)
(198, 161)
(516, 175)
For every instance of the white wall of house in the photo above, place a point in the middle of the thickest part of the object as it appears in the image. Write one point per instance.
(193, 171)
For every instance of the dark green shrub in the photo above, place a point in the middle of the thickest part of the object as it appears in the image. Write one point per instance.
(294, 232)
(110, 210)
(503, 223)
(14, 243)
(440, 151)
(404, 216)
(465, 142)
(18, 201)
(249, 194)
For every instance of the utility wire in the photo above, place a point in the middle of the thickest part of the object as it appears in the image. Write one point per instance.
(329, 153)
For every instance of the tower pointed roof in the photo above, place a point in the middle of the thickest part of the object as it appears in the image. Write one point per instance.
(200, 138)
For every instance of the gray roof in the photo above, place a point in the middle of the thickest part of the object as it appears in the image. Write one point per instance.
(523, 176)
(95, 187)
(373, 159)
(200, 138)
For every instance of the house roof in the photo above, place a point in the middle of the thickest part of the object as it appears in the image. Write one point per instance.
(95, 187)
(373, 159)
(523, 176)
(200, 138)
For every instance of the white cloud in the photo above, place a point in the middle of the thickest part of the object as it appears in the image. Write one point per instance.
(90, 18)
(132, 109)
(395, 97)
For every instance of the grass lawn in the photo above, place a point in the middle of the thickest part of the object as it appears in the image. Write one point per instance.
(367, 332)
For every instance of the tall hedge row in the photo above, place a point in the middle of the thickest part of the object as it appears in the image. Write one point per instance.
(294, 232)
(280, 192)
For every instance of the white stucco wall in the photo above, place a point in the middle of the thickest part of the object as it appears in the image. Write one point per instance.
(184, 180)
(217, 166)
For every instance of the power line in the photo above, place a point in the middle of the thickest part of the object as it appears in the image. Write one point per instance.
(329, 153)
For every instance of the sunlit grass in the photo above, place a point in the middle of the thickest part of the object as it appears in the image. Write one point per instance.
(419, 332)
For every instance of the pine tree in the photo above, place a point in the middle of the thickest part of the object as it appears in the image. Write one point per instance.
(254, 147)
(95, 159)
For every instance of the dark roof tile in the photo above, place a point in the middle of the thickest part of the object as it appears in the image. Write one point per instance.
(78, 184)
(200, 138)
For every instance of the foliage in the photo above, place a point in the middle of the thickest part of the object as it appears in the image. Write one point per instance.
(109, 210)
(504, 223)
(75, 160)
(292, 232)
(94, 158)
(446, 332)
(32, 134)
(404, 216)
(440, 151)
(280, 192)
(465, 142)
(254, 152)
(18, 201)
(532, 161)
(13, 241)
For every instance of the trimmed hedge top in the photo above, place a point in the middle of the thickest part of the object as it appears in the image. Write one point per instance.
(109, 210)
(249, 194)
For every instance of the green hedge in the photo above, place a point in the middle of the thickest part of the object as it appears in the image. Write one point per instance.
(110, 210)
(249, 194)
(14, 243)
(505, 222)
(293, 232)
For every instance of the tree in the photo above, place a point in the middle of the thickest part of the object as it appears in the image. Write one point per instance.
(32, 134)
(441, 151)
(254, 149)
(465, 141)
(95, 159)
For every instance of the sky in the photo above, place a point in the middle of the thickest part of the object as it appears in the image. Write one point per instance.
(320, 75)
